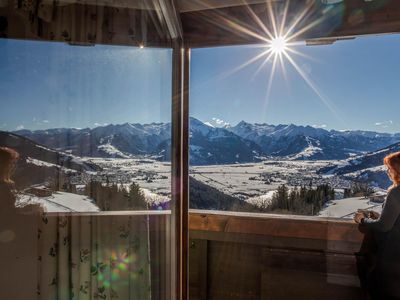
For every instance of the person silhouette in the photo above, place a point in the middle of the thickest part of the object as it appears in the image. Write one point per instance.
(384, 276)
(18, 236)
(8, 161)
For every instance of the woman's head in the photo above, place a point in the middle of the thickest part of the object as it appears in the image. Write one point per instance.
(8, 158)
(392, 162)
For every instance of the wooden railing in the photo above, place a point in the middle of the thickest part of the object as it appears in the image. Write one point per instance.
(260, 256)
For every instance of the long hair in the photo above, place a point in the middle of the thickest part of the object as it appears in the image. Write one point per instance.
(392, 161)
(7, 159)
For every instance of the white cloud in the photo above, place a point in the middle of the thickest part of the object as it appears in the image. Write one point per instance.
(20, 127)
(216, 122)
(384, 124)
(319, 126)
(99, 124)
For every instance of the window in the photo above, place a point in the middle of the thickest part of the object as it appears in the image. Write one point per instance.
(302, 131)
(92, 125)
(86, 108)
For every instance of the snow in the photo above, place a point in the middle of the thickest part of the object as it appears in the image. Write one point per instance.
(262, 199)
(256, 179)
(355, 174)
(345, 208)
(44, 148)
(136, 170)
(198, 126)
(112, 151)
(41, 163)
(309, 151)
(251, 182)
(60, 202)
(153, 198)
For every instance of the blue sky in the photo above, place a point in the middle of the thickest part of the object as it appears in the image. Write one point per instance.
(49, 85)
(359, 80)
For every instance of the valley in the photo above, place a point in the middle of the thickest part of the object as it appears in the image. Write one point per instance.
(246, 163)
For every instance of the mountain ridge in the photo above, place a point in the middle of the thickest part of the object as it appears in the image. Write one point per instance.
(244, 142)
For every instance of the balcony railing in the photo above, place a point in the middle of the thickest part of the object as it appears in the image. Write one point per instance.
(259, 256)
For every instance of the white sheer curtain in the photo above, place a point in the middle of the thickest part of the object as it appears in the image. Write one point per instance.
(93, 257)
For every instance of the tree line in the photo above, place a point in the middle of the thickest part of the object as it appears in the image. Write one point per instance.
(111, 197)
(358, 189)
(301, 200)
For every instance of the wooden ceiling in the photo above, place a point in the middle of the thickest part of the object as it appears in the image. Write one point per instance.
(149, 23)
(316, 21)
(200, 23)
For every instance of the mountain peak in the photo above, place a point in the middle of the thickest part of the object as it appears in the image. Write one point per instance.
(243, 123)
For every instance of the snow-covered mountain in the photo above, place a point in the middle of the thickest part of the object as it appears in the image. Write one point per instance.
(307, 142)
(37, 153)
(38, 164)
(210, 144)
(104, 141)
(367, 167)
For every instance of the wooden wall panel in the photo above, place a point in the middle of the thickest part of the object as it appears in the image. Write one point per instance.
(266, 257)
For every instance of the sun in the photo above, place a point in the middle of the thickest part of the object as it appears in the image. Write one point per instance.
(278, 45)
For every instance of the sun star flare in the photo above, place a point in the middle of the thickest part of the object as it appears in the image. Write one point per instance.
(278, 45)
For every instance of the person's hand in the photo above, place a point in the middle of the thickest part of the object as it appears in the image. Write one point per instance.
(373, 215)
(358, 217)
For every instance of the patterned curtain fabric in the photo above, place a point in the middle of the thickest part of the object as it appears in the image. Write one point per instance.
(93, 257)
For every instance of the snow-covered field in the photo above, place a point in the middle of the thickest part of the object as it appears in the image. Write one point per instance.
(241, 180)
(60, 202)
(345, 208)
(252, 182)
(257, 179)
(150, 174)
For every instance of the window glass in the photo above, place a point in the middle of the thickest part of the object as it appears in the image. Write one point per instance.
(294, 129)
(91, 125)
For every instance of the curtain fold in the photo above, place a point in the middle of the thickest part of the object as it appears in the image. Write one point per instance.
(93, 257)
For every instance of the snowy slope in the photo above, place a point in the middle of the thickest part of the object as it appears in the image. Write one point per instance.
(60, 202)
(345, 208)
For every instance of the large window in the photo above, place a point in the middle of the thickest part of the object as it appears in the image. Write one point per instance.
(85, 150)
(92, 125)
(294, 129)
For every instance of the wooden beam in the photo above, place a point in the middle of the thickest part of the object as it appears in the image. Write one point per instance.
(284, 227)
